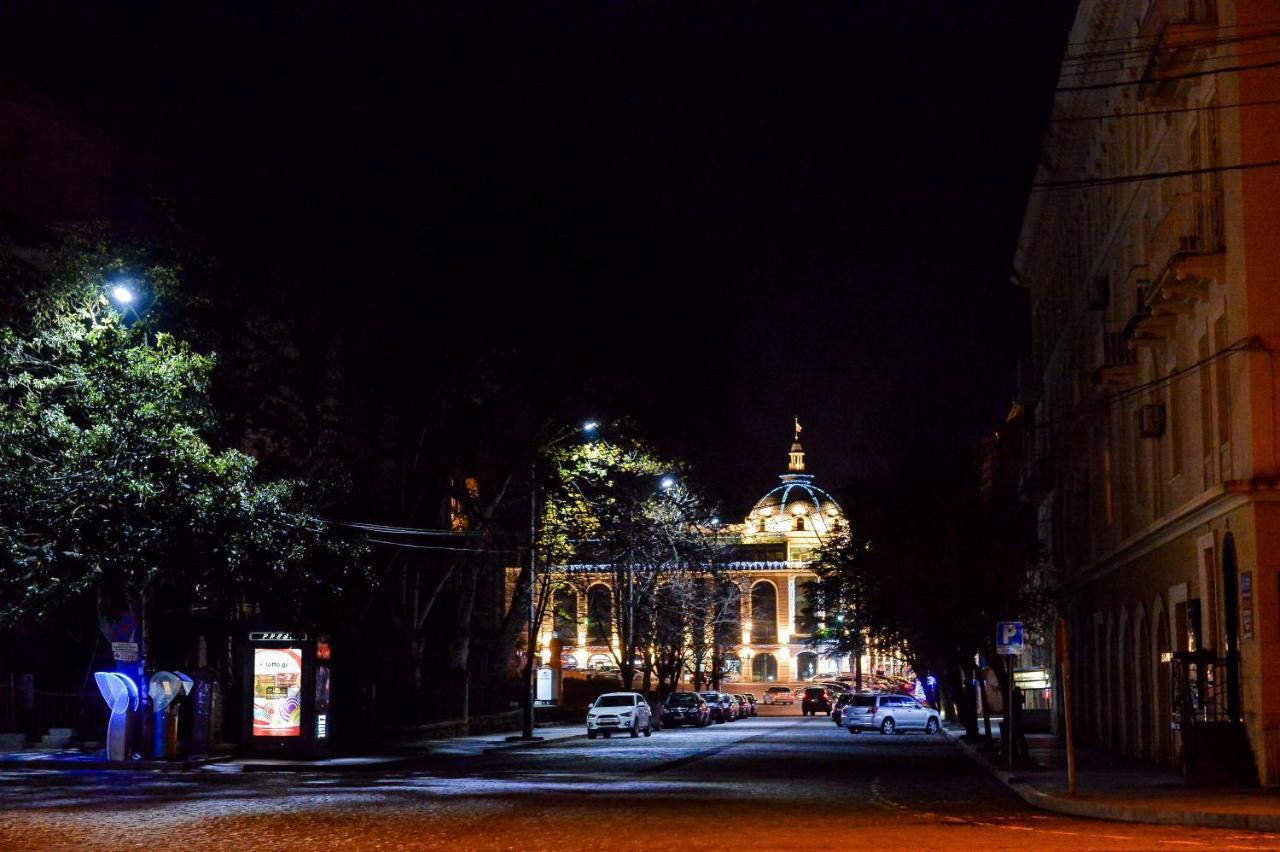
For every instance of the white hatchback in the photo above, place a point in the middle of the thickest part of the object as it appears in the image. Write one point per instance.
(618, 712)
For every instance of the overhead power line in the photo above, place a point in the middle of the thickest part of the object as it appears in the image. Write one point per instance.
(1205, 28)
(387, 529)
(1139, 66)
(1171, 111)
(1246, 344)
(1190, 74)
(1144, 51)
(1085, 183)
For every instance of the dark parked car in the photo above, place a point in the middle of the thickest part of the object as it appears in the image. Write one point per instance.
(685, 708)
(744, 707)
(719, 707)
(816, 699)
(842, 701)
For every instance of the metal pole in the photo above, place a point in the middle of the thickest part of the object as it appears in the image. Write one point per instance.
(527, 727)
(1064, 659)
(1009, 713)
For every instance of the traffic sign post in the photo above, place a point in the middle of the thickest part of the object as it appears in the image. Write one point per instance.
(1009, 644)
(1009, 637)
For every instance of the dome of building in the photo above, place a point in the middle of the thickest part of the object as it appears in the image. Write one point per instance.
(795, 505)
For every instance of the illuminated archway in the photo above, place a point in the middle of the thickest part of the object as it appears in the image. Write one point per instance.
(599, 615)
(806, 665)
(764, 613)
(764, 668)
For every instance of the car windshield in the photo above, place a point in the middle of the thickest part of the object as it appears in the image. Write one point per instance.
(682, 699)
(711, 696)
(815, 692)
(778, 689)
(614, 701)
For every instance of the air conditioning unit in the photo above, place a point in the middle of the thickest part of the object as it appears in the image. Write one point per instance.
(1151, 420)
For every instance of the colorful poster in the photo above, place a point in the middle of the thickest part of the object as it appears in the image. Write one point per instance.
(277, 687)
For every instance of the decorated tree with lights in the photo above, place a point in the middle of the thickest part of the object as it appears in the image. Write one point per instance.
(620, 506)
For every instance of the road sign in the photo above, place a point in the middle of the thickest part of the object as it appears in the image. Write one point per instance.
(1009, 639)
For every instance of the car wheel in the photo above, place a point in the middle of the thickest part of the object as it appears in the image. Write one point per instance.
(647, 731)
(888, 726)
(932, 726)
(635, 730)
(591, 735)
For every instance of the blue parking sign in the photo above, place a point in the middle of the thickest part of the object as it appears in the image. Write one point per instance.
(1009, 638)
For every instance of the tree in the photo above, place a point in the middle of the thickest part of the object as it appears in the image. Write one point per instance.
(109, 484)
(619, 506)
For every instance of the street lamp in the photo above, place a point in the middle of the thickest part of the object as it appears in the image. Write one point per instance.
(588, 427)
(668, 483)
(122, 295)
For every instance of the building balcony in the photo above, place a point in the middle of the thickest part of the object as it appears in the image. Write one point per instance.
(1182, 44)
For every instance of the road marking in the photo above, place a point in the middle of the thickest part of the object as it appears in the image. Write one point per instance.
(1071, 833)
(1016, 828)
(1182, 842)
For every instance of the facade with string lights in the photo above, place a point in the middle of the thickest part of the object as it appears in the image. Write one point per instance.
(1150, 252)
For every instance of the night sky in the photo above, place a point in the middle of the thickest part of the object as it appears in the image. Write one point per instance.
(723, 218)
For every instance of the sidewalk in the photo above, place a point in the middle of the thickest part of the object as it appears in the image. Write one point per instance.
(1114, 788)
(404, 756)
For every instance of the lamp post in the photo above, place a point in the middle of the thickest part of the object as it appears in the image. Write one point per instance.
(530, 686)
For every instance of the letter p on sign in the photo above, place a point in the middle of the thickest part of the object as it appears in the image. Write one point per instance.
(1009, 638)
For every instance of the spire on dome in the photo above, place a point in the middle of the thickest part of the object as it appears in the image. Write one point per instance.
(796, 465)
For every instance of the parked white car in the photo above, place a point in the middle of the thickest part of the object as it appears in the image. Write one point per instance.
(889, 714)
(778, 695)
(618, 712)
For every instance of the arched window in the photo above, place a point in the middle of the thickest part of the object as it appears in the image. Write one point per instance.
(764, 668)
(599, 615)
(764, 612)
(799, 522)
(806, 665)
(566, 614)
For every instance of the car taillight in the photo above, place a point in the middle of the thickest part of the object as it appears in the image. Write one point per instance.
(872, 711)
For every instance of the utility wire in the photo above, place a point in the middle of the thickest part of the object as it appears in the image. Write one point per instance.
(1094, 72)
(395, 530)
(439, 547)
(1143, 113)
(1247, 344)
(1190, 74)
(1205, 28)
(1087, 183)
(1145, 51)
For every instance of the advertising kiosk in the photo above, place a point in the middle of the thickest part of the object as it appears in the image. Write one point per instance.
(286, 689)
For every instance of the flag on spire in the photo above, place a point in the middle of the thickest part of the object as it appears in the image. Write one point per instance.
(799, 428)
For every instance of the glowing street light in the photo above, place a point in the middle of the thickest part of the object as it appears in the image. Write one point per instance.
(590, 427)
(122, 295)
(668, 483)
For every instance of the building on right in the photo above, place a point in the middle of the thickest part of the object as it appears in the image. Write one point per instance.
(1151, 253)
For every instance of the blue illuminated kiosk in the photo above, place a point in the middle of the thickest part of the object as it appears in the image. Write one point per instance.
(286, 695)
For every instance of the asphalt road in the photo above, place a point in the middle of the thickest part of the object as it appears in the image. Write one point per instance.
(777, 782)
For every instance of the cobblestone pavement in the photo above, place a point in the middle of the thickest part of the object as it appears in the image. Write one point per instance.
(777, 782)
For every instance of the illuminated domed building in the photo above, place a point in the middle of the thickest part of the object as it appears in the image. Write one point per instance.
(771, 564)
(770, 554)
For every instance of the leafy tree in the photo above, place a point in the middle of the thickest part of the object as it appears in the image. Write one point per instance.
(108, 481)
(611, 506)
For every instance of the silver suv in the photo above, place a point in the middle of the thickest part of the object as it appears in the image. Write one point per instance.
(889, 714)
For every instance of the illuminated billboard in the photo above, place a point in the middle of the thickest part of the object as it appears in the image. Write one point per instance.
(277, 687)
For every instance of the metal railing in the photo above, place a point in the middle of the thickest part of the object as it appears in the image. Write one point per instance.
(1199, 681)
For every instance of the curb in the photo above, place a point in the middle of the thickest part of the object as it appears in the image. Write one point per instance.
(1090, 809)
(534, 744)
(55, 765)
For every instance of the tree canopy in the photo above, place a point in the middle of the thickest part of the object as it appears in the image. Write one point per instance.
(109, 478)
